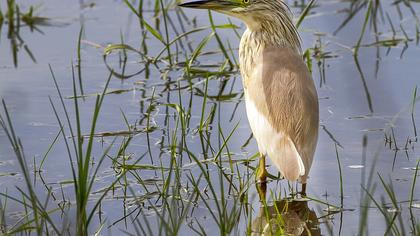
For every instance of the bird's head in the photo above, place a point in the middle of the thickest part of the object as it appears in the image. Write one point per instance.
(271, 17)
(252, 12)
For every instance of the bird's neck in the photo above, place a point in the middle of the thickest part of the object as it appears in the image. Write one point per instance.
(274, 30)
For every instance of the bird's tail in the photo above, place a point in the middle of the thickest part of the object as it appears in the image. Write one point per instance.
(287, 159)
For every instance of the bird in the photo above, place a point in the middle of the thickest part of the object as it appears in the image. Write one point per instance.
(281, 100)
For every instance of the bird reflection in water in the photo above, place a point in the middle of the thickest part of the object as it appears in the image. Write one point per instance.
(285, 217)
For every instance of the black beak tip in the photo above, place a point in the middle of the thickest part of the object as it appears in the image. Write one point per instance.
(187, 4)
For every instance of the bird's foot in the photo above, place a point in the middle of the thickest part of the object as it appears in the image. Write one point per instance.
(303, 191)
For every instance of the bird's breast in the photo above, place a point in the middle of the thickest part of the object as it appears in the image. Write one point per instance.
(250, 48)
(264, 132)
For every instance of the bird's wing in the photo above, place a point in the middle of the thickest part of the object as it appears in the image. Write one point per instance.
(283, 91)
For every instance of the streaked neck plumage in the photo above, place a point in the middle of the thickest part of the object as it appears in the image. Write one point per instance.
(273, 29)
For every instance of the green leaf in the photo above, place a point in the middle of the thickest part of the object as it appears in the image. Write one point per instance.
(199, 47)
(304, 13)
(153, 31)
(113, 47)
(148, 27)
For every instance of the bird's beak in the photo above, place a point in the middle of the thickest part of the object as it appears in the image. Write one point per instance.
(210, 4)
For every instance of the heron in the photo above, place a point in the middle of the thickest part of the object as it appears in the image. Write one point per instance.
(280, 96)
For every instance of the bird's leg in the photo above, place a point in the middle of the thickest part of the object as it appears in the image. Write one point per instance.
(262, 190)
(303, 192)
(262, 172)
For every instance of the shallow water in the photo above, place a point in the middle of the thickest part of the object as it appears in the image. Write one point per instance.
(388, 76)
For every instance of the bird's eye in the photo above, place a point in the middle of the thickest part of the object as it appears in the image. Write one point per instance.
(245, 1)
